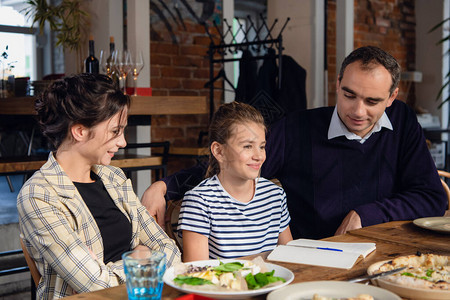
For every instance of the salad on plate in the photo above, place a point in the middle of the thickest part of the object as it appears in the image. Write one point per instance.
(227, 276)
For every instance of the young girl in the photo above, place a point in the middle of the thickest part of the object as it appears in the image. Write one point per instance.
(234, 212)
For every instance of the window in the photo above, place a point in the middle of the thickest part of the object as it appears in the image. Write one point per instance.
(16, 35)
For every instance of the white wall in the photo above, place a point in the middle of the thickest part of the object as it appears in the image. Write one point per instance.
(106, 21)
(344, 30)
(430, 58)
(303, 40)
(228, 13)
(138, 26)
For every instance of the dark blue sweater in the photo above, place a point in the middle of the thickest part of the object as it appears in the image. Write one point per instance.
(390, 177)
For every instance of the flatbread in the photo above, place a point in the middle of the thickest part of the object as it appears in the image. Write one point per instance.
(426, 271)
(359, 297)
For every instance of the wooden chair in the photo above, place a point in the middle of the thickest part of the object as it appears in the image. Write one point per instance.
(172, 212)
(31, 263)
(446, 188)
(276, 181)
(157, 161)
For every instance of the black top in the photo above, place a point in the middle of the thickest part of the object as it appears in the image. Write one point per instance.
(114, 226)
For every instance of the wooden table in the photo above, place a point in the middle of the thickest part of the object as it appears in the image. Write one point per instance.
(392, 239)
(406, 233)
(140, 105)
(186, 151)
(12, 166)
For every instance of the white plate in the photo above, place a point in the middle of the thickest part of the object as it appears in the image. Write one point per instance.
(406, 291)
(441, 224)
(335, 289)
(279, 271)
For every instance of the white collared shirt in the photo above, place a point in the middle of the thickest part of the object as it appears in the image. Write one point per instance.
(338, 128)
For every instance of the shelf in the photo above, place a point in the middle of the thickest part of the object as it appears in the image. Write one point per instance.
(140, 105)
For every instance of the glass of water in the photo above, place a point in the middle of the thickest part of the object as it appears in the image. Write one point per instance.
(144, 270)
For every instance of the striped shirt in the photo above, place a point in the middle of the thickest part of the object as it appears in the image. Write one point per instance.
(234, 228)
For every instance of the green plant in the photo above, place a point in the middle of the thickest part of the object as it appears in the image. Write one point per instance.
(4, 64)
(67, 19)
(447, 76)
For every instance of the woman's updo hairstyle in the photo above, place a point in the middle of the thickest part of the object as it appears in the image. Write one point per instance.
(222, 124)
(86, 99)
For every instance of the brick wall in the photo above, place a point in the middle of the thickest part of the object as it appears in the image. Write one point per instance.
(179, 70)
(180, 67)
(388, 24)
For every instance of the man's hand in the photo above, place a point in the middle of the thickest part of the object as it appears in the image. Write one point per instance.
(153, 199)
(351, 221)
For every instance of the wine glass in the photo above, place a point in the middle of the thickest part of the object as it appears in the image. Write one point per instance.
(115, 66)
(137, 66)
(122, 62)
(105, 63)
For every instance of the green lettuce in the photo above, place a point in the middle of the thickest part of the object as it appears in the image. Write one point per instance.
(228, 267)
(180, 280)
(261, 279)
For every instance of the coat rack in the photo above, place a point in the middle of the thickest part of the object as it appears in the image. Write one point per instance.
(264, 36)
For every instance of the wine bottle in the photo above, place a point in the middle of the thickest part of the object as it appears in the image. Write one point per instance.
(111, 50)
(91, 61)
(112, 70)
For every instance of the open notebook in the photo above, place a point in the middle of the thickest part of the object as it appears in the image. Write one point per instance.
(332, 254)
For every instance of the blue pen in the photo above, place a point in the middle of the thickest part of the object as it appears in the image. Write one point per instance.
(331, 249)
(320, 248)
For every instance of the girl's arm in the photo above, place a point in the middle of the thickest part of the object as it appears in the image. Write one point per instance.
(285, 236)
(195, 246)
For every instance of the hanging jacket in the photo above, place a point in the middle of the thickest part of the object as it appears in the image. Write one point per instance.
(246, 87)
(292, 95)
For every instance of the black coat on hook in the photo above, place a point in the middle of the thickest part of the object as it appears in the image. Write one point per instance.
(246, 87)
(272, 102)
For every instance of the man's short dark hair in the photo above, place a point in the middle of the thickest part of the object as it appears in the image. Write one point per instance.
(370, 55)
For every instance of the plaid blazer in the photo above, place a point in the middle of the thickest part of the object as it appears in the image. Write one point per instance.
(60, 232)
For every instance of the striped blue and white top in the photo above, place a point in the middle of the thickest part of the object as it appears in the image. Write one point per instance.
(234, 228)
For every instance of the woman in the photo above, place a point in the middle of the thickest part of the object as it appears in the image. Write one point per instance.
(77, 214)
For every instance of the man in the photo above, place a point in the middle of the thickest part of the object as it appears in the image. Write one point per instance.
(360, 163)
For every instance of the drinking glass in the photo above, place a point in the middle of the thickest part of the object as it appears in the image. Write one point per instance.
(138, 65)
(105, 63)
(144, 270)
(122, 62)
